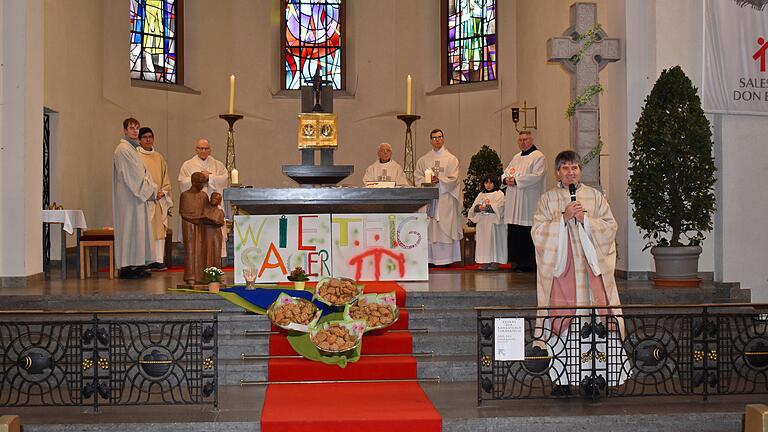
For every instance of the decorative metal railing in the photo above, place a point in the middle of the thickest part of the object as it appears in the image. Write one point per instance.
(100, 358)
(691, 350)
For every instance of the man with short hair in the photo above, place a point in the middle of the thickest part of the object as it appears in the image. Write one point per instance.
(385, 169)
(575, 236)
(132, 189)
(445, 228)
(218, 177)
(524, 179)
(158, 210)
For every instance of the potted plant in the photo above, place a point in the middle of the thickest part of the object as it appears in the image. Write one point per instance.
(299, 277)
(672, 177)
(213, 276)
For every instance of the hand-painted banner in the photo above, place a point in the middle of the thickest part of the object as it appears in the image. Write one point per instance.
(359, 246)
(380, 246)
(272, 245)
(735, 77)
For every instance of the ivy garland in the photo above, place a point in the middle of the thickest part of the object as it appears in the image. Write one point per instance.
(589, 37)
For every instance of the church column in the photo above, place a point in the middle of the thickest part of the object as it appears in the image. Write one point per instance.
(21, 148)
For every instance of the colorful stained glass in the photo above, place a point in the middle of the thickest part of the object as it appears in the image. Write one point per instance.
(153, 40)
(471, 41)
(312, 42)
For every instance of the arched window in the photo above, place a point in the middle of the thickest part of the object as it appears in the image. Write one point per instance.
(312, 42)
(155, 41)
(469, 47)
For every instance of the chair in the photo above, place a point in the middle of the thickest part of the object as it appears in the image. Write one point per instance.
(96, 238)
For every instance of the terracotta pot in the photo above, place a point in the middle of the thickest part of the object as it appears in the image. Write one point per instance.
(214, 287)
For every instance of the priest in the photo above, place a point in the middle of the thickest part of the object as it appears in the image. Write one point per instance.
(385, 169)
(158, 209)
(444, 230)
(218, 177)
(574, 233)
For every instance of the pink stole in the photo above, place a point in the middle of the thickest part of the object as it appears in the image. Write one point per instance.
(564, 293)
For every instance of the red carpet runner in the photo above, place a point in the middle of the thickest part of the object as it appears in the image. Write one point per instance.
(342, 407)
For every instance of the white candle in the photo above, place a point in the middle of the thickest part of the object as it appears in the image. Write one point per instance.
(427, 175)
(408, 97)
(231, 94)
(234, 176)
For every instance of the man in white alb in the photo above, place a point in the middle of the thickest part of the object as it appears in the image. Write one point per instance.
(218, 177)
(524, 179)
(158, 209)
(385, 169)
(445, 227)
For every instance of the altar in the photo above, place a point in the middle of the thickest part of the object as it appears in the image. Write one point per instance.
(359, 233)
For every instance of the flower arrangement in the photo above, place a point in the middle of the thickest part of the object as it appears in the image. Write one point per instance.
(213, 274)
(298, 275)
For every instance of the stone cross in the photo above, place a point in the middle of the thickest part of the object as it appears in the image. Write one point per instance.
(585, 123)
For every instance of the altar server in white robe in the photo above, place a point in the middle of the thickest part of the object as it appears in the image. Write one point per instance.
(445, 229)
(524, 180)
(487, 212)
(385, 169)
(218, 177)
(575, 243)
(132, 188)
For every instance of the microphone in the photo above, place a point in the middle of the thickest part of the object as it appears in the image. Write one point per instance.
(572, 191)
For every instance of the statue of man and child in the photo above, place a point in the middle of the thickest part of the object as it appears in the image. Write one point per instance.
(202, 220)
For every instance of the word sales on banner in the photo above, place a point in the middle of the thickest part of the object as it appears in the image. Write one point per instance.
(367, 247)
(735, 77)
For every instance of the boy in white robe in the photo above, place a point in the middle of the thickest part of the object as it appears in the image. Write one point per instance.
(487, 212)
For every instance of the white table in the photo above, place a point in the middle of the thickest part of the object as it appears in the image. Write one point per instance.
(70, 220)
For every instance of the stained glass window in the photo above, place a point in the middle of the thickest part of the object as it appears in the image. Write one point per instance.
(312, 42)
(471, 41)
(154, 40)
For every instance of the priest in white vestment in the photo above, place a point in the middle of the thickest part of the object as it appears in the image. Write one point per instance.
(132, 189)
(576, 254)
(385, 169)
(487, 212)
(524, 179)
(158, 210)
(445, 228)
(218, 177)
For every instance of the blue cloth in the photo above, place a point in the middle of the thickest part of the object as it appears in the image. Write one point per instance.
(264, 297)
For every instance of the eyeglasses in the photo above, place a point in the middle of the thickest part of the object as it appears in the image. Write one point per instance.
(436, 138)
(203, 148)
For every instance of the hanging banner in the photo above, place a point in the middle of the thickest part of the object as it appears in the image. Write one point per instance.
(380, 246)
(735, 78)
(364, 247)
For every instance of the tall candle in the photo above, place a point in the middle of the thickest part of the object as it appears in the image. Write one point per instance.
(234, 176)
(408, 97)
(231, 94)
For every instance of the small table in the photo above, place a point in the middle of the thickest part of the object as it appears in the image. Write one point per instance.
(70, 220)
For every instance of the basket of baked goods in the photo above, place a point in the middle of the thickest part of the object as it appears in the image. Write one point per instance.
(337, 337)
(378, 310)
(337, 291)
(292, 314)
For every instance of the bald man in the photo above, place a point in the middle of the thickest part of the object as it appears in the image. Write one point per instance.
(218, 177)
(385, 169)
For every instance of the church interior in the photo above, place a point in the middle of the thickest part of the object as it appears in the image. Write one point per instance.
(67, 86)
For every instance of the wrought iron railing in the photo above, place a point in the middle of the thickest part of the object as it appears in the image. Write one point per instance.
(691, 350)
(100, 358)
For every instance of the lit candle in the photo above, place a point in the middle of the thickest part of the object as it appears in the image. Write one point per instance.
(428, 175)
(408, 97)
(231, 94)
(234, 176)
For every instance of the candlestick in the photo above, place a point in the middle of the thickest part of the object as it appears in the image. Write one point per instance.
(408, 97)
(234, 176)
(408, 162)
(231, 94)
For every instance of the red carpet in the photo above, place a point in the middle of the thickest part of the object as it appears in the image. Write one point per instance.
(341, 407)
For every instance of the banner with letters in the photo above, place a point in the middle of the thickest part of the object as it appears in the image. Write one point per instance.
(378, 246)
(735, 77)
